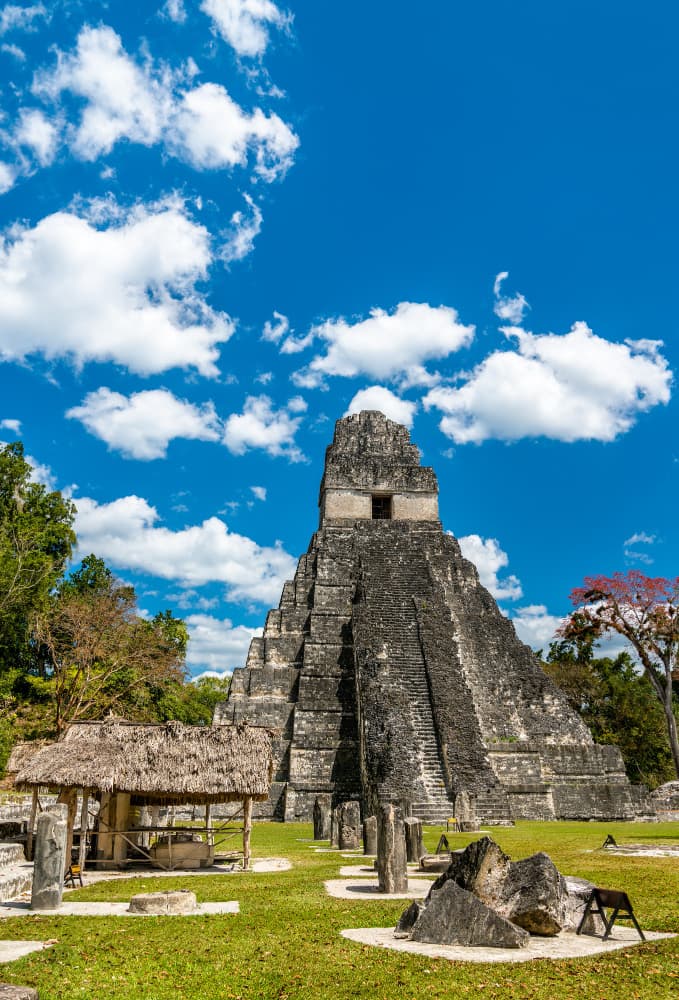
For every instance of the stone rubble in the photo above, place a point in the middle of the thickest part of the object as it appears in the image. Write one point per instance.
(482, 886)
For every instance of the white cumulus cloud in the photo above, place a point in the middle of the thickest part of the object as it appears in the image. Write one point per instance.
(535, 626)
(376, 397)
(244, 23)
(126, 533)
(640, 538)
(139, 306)
(22, 18)
(262, 426)
(259, 492)
(217, 644)
(276, 328)
(387, 346)
(148, 103)
(570, 387)
(36, 132)
(211, 131)
(489, 559)
(7, 177)
(10, 424)
(142, 425)
(511, 309)
(244, 229)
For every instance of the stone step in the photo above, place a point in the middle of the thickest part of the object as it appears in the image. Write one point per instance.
(10, 855)
(14, 881)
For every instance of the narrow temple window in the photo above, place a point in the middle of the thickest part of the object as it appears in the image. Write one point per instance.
(381, 507)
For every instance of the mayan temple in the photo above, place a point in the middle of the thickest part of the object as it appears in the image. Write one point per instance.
(390, 673)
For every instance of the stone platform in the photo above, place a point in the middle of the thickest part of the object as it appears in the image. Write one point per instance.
(565, 945)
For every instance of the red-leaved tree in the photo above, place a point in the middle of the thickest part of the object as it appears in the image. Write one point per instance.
(645, 611)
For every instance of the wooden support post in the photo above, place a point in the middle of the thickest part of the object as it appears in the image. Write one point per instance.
(210, 838)
(31, 825)
(83, 829)
(70, 797)
(105, 823)
(120, 840)
(247, 826)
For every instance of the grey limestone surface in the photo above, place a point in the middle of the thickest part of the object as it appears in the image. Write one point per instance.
(68, 909)
(566, 945)
(390, 674)
(369, 888)
(10, 951)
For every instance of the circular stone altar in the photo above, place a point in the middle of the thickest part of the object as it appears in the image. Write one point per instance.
(163, 903)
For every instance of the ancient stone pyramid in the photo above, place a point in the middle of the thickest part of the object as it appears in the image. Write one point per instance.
(391, 674)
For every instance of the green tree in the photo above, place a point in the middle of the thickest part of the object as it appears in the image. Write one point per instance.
(644, 610)
(36, 539)
(618, 704)
(100, 655)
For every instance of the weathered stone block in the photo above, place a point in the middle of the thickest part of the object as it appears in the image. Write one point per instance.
(349, 823)
(452, 915)
(534, 895)
(413, 835)
(9, 992)
(370, 835)
(169, 903)
(49, 858)
(392, 868)
(322, 811)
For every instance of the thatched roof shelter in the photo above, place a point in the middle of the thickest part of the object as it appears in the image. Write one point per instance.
(22, 753)
(164, 763)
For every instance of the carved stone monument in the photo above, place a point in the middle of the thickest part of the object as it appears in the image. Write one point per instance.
(392, 675)
(392, 871)
(413, 833)
(349, 823)
(322, 813)
(49, 858)
(370, 835)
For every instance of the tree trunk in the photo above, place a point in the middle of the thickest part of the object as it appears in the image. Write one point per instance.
(671, 725)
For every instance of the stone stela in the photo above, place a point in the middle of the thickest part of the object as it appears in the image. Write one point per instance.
(392, 676)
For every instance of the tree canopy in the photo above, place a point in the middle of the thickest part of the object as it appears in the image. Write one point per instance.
(618, 704)
(76, 646)
(36, 540)
(645, 611)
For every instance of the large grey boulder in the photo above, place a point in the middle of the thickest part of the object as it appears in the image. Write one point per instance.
(392, 868)
(481, 869)
(530, 893)
(454, 916)
(49, 858)
(534, 895)
(578, 891)
(349, 823)
(9, 992)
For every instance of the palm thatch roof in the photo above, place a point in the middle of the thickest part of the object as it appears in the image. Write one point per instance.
(22, 753)
(157, 763)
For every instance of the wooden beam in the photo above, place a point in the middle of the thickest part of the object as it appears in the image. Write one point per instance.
(83, 829)
(70, 797)
(122, 817)
(31, 825)
(247, 826)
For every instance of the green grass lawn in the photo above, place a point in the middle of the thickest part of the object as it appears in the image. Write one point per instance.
(285, 942)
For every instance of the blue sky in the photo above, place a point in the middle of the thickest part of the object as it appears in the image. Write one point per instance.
(226, 223)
